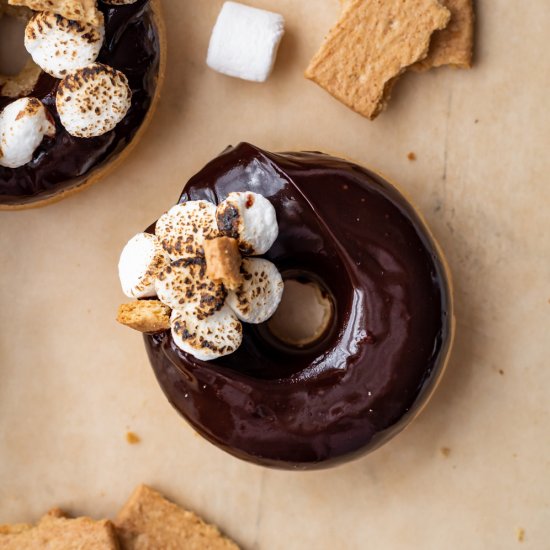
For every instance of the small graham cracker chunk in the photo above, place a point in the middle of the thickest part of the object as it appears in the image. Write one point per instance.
(149, 522)
(77, 10)
(223, 261)
(370, 46)
(145, 315)
(56, 532)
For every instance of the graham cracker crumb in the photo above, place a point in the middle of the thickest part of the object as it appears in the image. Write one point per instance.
(445, 451)
(145, 316)
(411, 156)
(371, 45)
(148, 522)
(77, 10)
(132, 438)
(223, 261)
(520, 534)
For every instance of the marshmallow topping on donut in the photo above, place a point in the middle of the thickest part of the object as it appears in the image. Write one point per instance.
(23, 125)
(60, 46)
(259, 296)
(93, 100)
(206, 339)
(183, 229)
(250, 218)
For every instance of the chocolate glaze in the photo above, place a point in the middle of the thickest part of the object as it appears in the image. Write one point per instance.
(305, 409)
(131, 46)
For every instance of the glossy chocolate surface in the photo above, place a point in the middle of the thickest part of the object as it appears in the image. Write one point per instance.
(131, 46)
(306, 409)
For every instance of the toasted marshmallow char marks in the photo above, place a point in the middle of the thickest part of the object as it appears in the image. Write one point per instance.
(76, 10)
(60, 46)
(259, 296)
(183, 229)
(140, 263)
(250, 218)
(93, 100)
(245, 41)
(23, 125)
(191, 265)
(206, 339)
(184, 283)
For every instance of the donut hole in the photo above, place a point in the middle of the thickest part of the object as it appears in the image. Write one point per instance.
(13, 55)
(305, 315)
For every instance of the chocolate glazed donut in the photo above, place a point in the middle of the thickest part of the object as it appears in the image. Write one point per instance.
(368, 376)
(134, 45)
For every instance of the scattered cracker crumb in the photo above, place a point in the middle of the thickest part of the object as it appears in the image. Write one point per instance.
(520, 534)
(501, 372)
(411, 156)
(132, 438)
(445, 451)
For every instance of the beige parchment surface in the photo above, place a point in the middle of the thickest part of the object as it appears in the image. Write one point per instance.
(72, 382)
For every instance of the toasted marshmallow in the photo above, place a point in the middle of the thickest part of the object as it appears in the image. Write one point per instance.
(184, 283)
(60, 46)
(93, 100)
(245, 41)
(140, 263)
(206, 339)
(250, 218)
(23, 125)
(260, 294)
(183, 229)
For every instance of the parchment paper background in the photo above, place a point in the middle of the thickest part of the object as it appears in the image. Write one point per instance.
(72, 382)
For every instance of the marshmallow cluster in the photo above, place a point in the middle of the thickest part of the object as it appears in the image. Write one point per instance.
(245, 41)
(206, 316)
(91, 98)
(23, 125)
(60, 46)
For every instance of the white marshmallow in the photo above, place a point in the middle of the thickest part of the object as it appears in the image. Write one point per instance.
(23, 125)
(260, 295)
(207, 339)
(184, 227)
(119, 2)
(184, 283)
(93, 100)
(250, 218)
(140, 262)
(245, 41)
(61, 46)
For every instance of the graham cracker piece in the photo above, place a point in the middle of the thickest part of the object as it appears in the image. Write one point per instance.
(370, 46)
(149, 522)
(223, 261)
(145, 315)
(77, 10)
(56, 532)
(452, 45)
